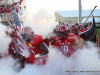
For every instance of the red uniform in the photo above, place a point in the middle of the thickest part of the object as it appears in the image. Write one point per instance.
(78, 36)
(46, 41)
(56, 41)
(12, 44)
(4, 10)
(17, 10)
(8, 10)
(67, 45)
(34, 47)
(80, 31)
(0, 10)
(97, 39)
(83, 29)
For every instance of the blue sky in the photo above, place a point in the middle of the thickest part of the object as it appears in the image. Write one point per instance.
(59, 5)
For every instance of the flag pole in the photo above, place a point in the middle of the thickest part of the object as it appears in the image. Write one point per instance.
(87, 18)
(79, 12)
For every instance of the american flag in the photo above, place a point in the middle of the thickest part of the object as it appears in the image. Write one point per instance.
(17, 23)
(21, 46)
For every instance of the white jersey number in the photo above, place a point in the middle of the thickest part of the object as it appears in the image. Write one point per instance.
(64, 48)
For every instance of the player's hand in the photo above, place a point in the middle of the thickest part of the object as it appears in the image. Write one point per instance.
(30, 52)
(37, 55)
(25, 53)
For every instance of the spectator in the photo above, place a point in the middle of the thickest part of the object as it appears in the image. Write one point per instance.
(17, 9)
(8, 13)
(25, 8)
(20, 13)
(20, 10)
(0, 10)
(4, 9)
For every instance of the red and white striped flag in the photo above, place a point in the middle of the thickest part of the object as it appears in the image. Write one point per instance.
(21, 46)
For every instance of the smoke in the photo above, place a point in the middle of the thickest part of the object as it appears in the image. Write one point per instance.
(7, 66)
(42, 22)
(83, 62)
(4, 39)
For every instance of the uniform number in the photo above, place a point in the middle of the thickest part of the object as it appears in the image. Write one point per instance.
(64, 48)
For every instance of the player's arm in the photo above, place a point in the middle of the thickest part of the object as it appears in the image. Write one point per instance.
(82, 41)
(44, 49)
(97, 37)
(78, 43)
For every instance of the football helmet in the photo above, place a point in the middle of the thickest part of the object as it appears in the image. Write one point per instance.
(67, 25)
(62, 31)
(74, 29)
(86, 25)
(90, 23)
(56, 28)
(62, 24)
(76, 23)
(27, 33)
(80, 26)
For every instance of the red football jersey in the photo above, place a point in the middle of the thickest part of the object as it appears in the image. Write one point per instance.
(56, 41)
(83, 29)
(8, 10)
(67, 45)
(78, 36)
(0, 10)
(12, 44)
(34, 46)
(46, 41)
(17, 10)
(80, 31)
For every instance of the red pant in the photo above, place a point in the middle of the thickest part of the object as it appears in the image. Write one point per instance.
(38, 61)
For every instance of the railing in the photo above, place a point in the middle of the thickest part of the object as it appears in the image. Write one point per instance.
(3, 17)
(7, 18)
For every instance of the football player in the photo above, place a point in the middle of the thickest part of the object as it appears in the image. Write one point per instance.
(37, 48)
(67, 42)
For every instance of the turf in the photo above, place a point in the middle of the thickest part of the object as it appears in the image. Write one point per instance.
(98, 30)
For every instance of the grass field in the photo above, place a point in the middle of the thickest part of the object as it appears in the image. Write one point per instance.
(98, 30)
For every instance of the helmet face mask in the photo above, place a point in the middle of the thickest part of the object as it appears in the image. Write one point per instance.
(79, 26)
(27, 34)
(62, 35)
(62, 31)
(73, 31)
(26, 37)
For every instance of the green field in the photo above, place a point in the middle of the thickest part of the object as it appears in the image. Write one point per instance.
(98, 30)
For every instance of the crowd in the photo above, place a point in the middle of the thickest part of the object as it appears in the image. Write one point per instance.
(6, 9)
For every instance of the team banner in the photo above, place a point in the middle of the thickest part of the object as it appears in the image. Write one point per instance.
(90, 34)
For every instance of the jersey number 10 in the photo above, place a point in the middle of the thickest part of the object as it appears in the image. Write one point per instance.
(64, 48)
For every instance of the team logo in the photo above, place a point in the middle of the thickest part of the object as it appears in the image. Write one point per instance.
(30, 45)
